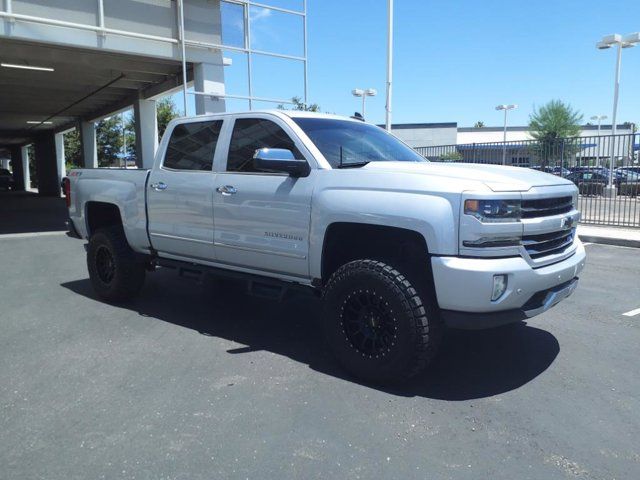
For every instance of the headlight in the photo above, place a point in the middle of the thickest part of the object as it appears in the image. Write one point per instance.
(490, 211)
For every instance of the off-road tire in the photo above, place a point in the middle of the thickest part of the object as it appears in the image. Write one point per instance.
(412, 317)
(122, 279)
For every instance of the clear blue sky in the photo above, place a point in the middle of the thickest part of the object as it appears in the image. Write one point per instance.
(454, 60)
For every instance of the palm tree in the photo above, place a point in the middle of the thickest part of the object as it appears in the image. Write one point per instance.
(550, 125)
(479, 124)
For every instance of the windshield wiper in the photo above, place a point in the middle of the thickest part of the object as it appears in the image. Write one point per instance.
(353, 164)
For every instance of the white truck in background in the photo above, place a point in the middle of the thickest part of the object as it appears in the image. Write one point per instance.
(397, 246)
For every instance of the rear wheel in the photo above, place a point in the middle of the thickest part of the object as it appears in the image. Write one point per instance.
(379, 327)
(117, 274)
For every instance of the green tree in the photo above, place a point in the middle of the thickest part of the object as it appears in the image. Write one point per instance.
(554, 120)
(300, 106)
(109, 141)
(551, 125)
(165, 111)
(453, 156)
(479, 124)
(72, 149)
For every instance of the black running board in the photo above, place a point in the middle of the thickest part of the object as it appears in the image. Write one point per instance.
(257, 285)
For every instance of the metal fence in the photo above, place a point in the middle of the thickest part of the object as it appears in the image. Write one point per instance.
(586, 161)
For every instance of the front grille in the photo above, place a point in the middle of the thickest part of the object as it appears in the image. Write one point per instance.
(545, 244)
(546, 207)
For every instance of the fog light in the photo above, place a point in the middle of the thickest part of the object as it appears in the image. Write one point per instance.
(499, 286)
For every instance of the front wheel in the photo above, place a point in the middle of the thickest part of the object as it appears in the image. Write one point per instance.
(379, 327)
(115, 271)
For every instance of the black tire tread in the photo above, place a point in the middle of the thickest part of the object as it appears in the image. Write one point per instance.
(425, 319)
(132, 271)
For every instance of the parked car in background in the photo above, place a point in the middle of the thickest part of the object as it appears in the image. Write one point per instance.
(629, 183)
(589, 182)
(632, 168)
(555, 170)
(620, 174)
(592, 169)
(627, 174)
(6, 179)
(561, 171)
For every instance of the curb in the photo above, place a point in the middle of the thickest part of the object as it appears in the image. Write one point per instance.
(618, 242)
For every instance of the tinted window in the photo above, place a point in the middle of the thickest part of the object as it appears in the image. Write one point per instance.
(4, 171)
(250, 134)
(344, 142)
(192, 146)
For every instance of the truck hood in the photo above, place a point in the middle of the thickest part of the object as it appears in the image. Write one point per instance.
(496, 177)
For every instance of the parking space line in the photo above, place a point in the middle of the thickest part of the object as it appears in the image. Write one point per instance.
(32, 234)
(632, 313)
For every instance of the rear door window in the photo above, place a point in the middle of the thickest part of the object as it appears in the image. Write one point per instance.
(192, 146)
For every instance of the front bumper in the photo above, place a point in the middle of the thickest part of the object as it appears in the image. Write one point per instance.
(463, 288)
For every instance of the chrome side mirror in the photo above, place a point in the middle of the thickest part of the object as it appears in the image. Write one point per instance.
(280, 160)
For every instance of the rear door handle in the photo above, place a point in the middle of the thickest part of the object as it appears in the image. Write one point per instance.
(227, 190)
(158, 187)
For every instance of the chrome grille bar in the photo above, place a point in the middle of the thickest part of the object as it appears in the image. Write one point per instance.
(548, 244)
(546, 207)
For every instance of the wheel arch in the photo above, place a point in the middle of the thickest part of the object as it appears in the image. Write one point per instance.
(347, 241)
(101, 215)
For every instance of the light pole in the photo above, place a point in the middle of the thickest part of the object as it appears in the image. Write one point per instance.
(607, 42)
(506, 108)
(389, 63)
(599, 118)
(369, 92)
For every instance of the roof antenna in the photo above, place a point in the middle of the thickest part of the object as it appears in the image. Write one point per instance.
(357, 116)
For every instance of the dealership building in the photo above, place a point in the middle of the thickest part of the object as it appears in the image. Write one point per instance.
(439, 134)
(66, 64)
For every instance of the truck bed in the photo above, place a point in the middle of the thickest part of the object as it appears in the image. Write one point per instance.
(123, 187)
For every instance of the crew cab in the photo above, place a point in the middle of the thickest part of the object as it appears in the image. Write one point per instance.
(397, 246)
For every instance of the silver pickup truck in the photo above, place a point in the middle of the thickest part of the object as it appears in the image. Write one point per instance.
(397, 246)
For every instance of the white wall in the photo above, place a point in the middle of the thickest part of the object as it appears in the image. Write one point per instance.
(495, 134)
(490, 136)
(426, 135)
(150, 17)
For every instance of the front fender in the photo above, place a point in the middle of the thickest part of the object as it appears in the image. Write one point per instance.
(432, 216)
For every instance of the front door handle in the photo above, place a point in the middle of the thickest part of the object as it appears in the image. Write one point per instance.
(158, 187)
(227, 190)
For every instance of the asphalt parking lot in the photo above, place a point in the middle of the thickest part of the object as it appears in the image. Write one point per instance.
(191, 383)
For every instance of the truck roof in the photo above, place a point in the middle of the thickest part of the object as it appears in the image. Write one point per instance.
(303, 114)
(289, 113)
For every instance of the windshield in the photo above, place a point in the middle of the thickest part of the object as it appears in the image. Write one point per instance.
(346, 143)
